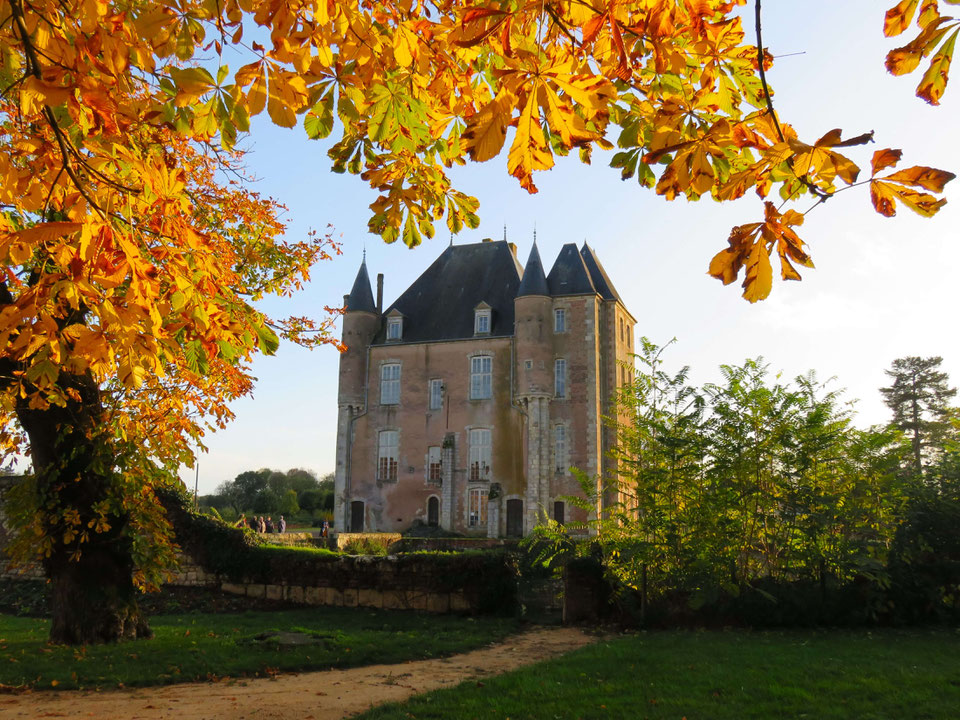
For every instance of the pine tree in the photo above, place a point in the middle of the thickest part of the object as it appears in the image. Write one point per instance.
(919, 398)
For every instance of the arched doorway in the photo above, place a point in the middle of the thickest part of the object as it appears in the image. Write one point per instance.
(433, 512)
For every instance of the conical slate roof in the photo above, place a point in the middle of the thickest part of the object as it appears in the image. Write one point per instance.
(534, 280)
(601, 281)
(570, 275)
(361, 296)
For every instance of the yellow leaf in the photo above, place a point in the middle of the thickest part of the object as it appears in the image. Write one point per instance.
(934, 82)
(758, 280)
(486, 130)
(529, 151)
(884, 196)
(35, 93)
(257, 94)
(898, 18)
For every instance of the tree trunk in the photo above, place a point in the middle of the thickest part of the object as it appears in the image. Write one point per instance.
(93, 598)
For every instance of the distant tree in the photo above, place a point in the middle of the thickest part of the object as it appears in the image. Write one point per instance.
(226, 494)
(288, 503)
(249, 485)
(300, 479)
(919, 399)
(310, 500)
(266, 502)
(326, 482)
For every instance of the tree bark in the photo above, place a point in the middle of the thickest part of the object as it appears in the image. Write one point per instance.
(93, 598)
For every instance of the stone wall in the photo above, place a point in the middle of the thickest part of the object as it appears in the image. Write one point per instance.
(394, 582)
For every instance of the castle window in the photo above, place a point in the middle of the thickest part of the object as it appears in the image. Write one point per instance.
(390, 384)
(621, 329)
(560, 447)
(387, 456)
(560, 378)
(434, 464)
(478, 507)
(481, 322)
(479, 455)
(559, 320)
(394, 328)
(481, 377)
(558, 511)
(435, 399)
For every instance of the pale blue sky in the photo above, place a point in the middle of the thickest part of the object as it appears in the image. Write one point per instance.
(883, 288)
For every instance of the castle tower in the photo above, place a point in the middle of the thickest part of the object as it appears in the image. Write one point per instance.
(361, 321)
(533, 312)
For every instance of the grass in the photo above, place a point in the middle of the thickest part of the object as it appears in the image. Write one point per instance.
(895, 675)
(201, 646)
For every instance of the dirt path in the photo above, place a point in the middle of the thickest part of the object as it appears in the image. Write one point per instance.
(325, 695)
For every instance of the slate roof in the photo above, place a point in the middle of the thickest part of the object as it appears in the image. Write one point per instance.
(534, 280)
(439, 304)
(361, 296)
(601, 281)
(569, 275)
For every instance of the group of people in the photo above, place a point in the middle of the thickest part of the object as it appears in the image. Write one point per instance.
(261, 525)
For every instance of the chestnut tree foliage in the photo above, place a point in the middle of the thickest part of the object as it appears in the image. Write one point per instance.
(134, 250)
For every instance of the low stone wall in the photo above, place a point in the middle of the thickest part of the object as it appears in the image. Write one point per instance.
(407, 599)
(225, 559)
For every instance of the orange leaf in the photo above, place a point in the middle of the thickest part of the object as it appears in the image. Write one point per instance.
(925, 177)
(43, 232)
(883, 159)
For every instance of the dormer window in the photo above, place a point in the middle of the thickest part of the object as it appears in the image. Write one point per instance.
(481, 319)
(394, 326)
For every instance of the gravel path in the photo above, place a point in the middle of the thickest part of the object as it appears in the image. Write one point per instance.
(326, 695)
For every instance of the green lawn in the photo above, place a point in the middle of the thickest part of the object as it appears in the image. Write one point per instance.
(197, 646)
(733, 675)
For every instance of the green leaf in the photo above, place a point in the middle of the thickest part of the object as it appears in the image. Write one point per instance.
(269, 342)
(318, 122)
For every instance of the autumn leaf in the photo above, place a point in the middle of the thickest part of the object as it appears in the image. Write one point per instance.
(883, 159)
(934, 81)
(487, 130)
(898, 17)
(529, 151)
(886, 191)
(749, 248)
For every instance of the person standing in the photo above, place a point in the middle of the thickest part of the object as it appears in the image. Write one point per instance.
(281, 525)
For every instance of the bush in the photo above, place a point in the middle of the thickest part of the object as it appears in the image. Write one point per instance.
(368, 546)
(924, 563)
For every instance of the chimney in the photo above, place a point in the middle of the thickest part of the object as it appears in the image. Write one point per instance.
(487, 240)
(379, 293)
(345, 299)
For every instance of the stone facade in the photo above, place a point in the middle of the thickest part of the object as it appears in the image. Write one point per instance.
(467, 401)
